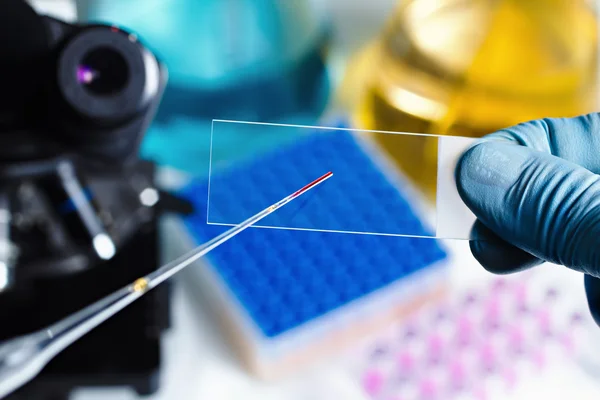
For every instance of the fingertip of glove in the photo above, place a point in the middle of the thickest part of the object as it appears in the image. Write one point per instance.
(592, 291)
(502, 258)
(496, 255)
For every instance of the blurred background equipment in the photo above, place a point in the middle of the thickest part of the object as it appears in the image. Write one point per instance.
(468, 68)
(254, 60)
(78, 208)
(289, 300)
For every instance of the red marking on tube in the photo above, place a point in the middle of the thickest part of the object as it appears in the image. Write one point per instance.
(312, 184)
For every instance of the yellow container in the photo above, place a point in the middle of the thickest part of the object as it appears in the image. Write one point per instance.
(470, 67)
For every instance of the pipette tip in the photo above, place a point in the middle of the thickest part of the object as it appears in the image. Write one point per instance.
(312, 184)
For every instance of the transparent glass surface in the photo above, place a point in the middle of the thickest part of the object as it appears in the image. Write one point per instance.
(367, 193)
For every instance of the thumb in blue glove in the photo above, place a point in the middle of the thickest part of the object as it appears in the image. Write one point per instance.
(536, 194)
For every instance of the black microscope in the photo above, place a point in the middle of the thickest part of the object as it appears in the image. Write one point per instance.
(78, 208)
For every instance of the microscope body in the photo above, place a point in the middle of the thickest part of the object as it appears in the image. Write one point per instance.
(78, 208)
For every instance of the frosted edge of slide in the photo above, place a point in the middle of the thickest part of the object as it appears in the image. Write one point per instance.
(454, 219)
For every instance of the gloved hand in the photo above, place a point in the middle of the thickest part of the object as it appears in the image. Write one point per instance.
(535, 192)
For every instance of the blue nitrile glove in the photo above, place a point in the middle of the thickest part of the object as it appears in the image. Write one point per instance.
(535, 192)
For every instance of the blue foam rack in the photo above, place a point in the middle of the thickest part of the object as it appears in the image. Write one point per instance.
(285, 279)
